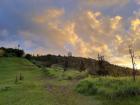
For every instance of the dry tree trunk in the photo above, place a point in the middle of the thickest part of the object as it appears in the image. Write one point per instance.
(132, 55)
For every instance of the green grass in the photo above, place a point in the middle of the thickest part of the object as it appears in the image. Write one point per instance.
(59, 73)
(26, 92)
(111, 91)
(35, 89)
(53, 86)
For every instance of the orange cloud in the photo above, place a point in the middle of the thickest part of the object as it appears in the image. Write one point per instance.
(135, 25)
(88, 34)
(115, 22)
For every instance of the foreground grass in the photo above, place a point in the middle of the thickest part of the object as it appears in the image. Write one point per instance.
(107, 90)
(55, 87)
(111, 91)
(35, 89)
(29, 91)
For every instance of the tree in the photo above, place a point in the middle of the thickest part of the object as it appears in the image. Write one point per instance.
(101, 66)
(19, 53)
(10, 52)
(28, 56)
(132, 55)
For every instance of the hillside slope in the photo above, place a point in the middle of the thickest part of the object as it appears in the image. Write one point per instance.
(79, 63)
(34, 89)
(26, 92)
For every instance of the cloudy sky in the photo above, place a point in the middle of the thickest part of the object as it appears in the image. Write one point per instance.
(84, 27)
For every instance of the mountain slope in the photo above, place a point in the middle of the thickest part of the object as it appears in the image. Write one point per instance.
(26, 92)
(88, 64)
(34, 89)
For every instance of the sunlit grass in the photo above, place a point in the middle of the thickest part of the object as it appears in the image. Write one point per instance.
(59, 73)
(108, 89)
(34, 89)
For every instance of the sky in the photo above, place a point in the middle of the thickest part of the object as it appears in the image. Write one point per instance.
(84, 27)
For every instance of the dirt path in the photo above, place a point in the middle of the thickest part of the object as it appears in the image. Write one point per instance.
(64, 94)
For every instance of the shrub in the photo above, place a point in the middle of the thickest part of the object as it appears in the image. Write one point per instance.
(126, 91)
(28, 56)
(87, 88)
(110, 88)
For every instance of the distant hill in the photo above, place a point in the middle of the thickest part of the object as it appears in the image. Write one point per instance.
(94, 67)
(81, 64)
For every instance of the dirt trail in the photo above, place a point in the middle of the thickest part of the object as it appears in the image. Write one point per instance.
(64, 94)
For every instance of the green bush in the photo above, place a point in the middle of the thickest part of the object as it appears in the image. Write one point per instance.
(109, 87)
(126, 91)
(87, 88)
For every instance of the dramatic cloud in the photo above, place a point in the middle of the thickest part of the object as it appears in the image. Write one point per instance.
(49, 26)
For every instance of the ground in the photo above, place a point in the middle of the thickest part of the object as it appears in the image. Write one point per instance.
(35, 89)
(52, 86)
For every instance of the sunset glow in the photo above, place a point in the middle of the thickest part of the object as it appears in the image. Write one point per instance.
(84, 27)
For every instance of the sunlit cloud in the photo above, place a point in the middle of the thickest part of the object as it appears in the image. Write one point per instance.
(115, 22)
(49, 26)
(136, 25)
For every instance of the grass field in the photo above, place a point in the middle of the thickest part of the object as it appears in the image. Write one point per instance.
(35, 89)
(52, 86)
(111, 91)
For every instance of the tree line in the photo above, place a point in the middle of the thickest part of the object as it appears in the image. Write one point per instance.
(10, 52)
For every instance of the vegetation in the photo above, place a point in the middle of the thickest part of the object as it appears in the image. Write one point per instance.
(64, 80)
(110, 88)
(13, 91)
(10, 52)
(60, 74)
(36, 88)
(94, 67)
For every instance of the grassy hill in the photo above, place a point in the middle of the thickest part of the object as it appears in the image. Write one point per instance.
(26, 92)
(34, 89)
(81, 64)
(52, 86)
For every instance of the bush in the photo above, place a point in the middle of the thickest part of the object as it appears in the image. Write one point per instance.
(126, 91)
(109, 87)
(28, 56)
(87, 88)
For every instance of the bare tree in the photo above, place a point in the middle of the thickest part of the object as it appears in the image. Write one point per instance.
(101, 66)
(132, 55)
